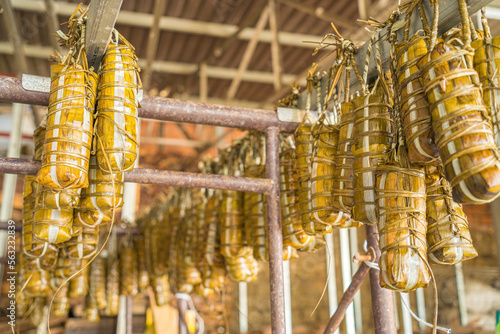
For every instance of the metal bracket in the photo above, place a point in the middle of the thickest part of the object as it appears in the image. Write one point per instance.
(291, 115)
(36, 83)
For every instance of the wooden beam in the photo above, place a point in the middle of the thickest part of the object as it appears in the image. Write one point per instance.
(363, 6)
(14, 36)
(275, 45)
(145, 20)
(320, 13)
(53, 23)
(101, 20)
(17, 47)
(203, 82)
(247, 55)
(152, 46)
(217, 72)
(172, 141)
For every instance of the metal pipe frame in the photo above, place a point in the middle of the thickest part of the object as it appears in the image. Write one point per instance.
(234, 117)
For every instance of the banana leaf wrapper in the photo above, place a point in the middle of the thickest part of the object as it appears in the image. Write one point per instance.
(65, 267)
(172, 264)
(486, 62)
(402, 227)
(60, 305)
(161, 289)
(79, 285)
(117, 102)
(105, 190)
(52, 225)
(68, 137)
(90, 218)
(49, 198)
(414, 107)
(313, 246)
(128, 270)
(448, 237)
(188, 275)
(293, 233)
(85, 244)
(36, 280)
(210, 261)
(372, 140)
(343, 174)
(242, 269)
(171, 260)
(112, 288)
(97, 282)
(37, 314)
(232, 225)
(323, 213)
(142, 269)
(255, 219)
(33, 248)
(22, 300)
(91, 311)
(462, 131)
(303, 153)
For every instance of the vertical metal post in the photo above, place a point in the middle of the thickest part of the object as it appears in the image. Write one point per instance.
(288, 296)
(407, 320)
(275, 233)
(10, 180)
(421, 312)
(182, 306)
(358, 316)
(382, 299)
(331, 274)
(345, 261)
(121, 320)
(462, 304)
(125, 316)
(243, 306)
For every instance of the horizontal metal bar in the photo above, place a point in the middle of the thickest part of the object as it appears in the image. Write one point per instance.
(158, 176)
(166, 109)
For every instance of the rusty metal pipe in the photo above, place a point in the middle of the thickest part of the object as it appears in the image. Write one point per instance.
(275, 236)
(166, 109)
(347, 299)
(157, 176)
(382, 299)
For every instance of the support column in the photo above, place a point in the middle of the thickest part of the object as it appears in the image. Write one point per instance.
(288, 296)
(274, 233)
(345, 262)
(182, 306)
(10, 180)
(382, 300)
(331, 274)
(243, 306)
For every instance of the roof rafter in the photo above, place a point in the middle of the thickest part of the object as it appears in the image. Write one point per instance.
(216, 72)
(176, 24)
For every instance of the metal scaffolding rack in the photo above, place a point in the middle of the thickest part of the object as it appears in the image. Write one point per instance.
(165, 109)
(266, 121)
